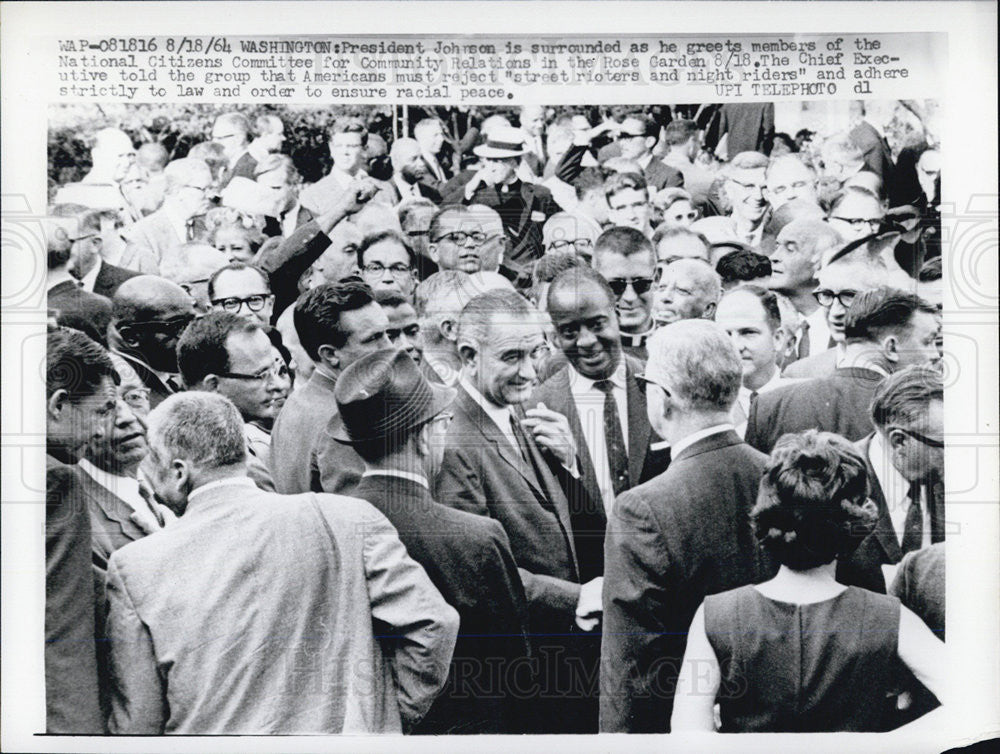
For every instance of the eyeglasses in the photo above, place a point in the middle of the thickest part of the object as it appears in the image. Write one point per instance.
(277, 370)
(580, 244)
(779, 190)
(749, 186)
(874, 223)
(201, 189)
(932, 442)
(410, 331)
(84, 238)
(417, 233)
(233, 304)
(641, 286)
(459, 237)
(825, 297)
(689, 216)
(644, 381)
(162, 327)
(444, 417)
(136, 397)
(623, 136)
(398, 270)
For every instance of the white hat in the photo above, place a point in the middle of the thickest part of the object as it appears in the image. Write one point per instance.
(502, 141)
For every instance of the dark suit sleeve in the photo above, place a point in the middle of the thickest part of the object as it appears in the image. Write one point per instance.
(285, 263)
(458, 486)
(636, 595)
(71, 685)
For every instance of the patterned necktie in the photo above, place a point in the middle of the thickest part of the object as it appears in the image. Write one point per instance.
(529, 453)
(913, 526)
(615, 440)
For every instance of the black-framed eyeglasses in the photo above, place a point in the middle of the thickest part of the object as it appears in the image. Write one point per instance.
(278, 370)
(931, 441)
(749, 186)
(644, 381)
(89, 235)
(641, 286)
(398, 270)
(459, 237)
(410, 331)
(417, 233)
(623, 136)
(233, 304)
(173, 326)
(825, 297)
(856, 223)
(580, 244)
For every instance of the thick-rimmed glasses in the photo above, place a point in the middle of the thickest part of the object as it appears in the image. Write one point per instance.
(233, 304)
(825, 297)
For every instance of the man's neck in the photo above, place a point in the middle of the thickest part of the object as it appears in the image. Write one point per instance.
(863, 356)
(760, 378)
(747, 226)
(688, 425)
(406, 463)
(640, 330)
(802, 299)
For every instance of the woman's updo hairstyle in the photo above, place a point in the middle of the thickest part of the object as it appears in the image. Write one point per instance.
(813, 503)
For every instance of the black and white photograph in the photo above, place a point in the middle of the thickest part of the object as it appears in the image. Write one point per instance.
(501, 384)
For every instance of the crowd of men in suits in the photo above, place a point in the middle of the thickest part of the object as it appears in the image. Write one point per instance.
(462, 448)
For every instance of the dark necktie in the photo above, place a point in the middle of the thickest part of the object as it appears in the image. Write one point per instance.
(529, 451)
(172, 383)
(617, 455)
(804, 339)
(913, 526)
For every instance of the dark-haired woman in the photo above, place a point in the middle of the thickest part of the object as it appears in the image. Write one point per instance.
(801, 652)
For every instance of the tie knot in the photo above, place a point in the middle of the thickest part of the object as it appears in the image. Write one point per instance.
(605, 386)
(914, 493)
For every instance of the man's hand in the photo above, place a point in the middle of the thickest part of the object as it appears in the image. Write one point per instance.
(361, 191)
(588, 608)
(552, 432)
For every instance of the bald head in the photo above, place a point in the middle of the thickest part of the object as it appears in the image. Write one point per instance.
(149, 297)
(404, 151)
(689, 289)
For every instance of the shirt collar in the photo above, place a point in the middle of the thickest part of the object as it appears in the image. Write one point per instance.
(499, 414)
(580, 384)
(635, 340)
(398, 473)
(769, 385)
(701, 434)
(87, 281)
(231, 481)
(894, 486)
(109, 481)
(58, 277)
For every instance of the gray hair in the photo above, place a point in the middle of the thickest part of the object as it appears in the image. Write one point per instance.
(180, 173)
(204, 429)
(476, 320)
(696, 361)
(708, 281)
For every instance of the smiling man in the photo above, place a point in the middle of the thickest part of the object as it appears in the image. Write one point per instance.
(231, 355)
(688, 289)
(625, 258)
(745, 186)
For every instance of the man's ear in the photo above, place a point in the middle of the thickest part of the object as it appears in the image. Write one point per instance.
(779, 340)
(328, 355)
(468, 354)
(896, 439)
(129, 336)
(709, 312)
(890, 348)
(56, 403)
(448, 329)
(423, 440)
(432, 252)
(650, 142)
(209, 383)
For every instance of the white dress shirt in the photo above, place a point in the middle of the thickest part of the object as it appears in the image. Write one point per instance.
(589, 402)
(125, 489)
(692, 438)
(406, 190)
(87, 281)
(896, 490)
(399, 473)
(743, 400)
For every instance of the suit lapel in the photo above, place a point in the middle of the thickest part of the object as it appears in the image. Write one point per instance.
(115, 510)
(638, 427)
(485, 425)
(884, 533)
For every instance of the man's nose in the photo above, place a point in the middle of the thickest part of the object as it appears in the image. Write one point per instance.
(586, 338)
(629, 293)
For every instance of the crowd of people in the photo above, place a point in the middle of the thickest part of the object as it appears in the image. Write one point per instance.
(588, 427)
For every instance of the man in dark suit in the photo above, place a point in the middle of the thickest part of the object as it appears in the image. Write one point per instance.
(524, 207)
(519, 467)
(637, 136)
(885, 330)
(149, 315)
(681, 536)
(429, 134)
(80, 407)
(86, 265)
(396, 420)
(905, 457)
(232, 132)
(410, 173)
(337, 324)
(599, 393)
(874, 147)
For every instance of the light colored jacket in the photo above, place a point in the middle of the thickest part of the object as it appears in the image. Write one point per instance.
(257, 613)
